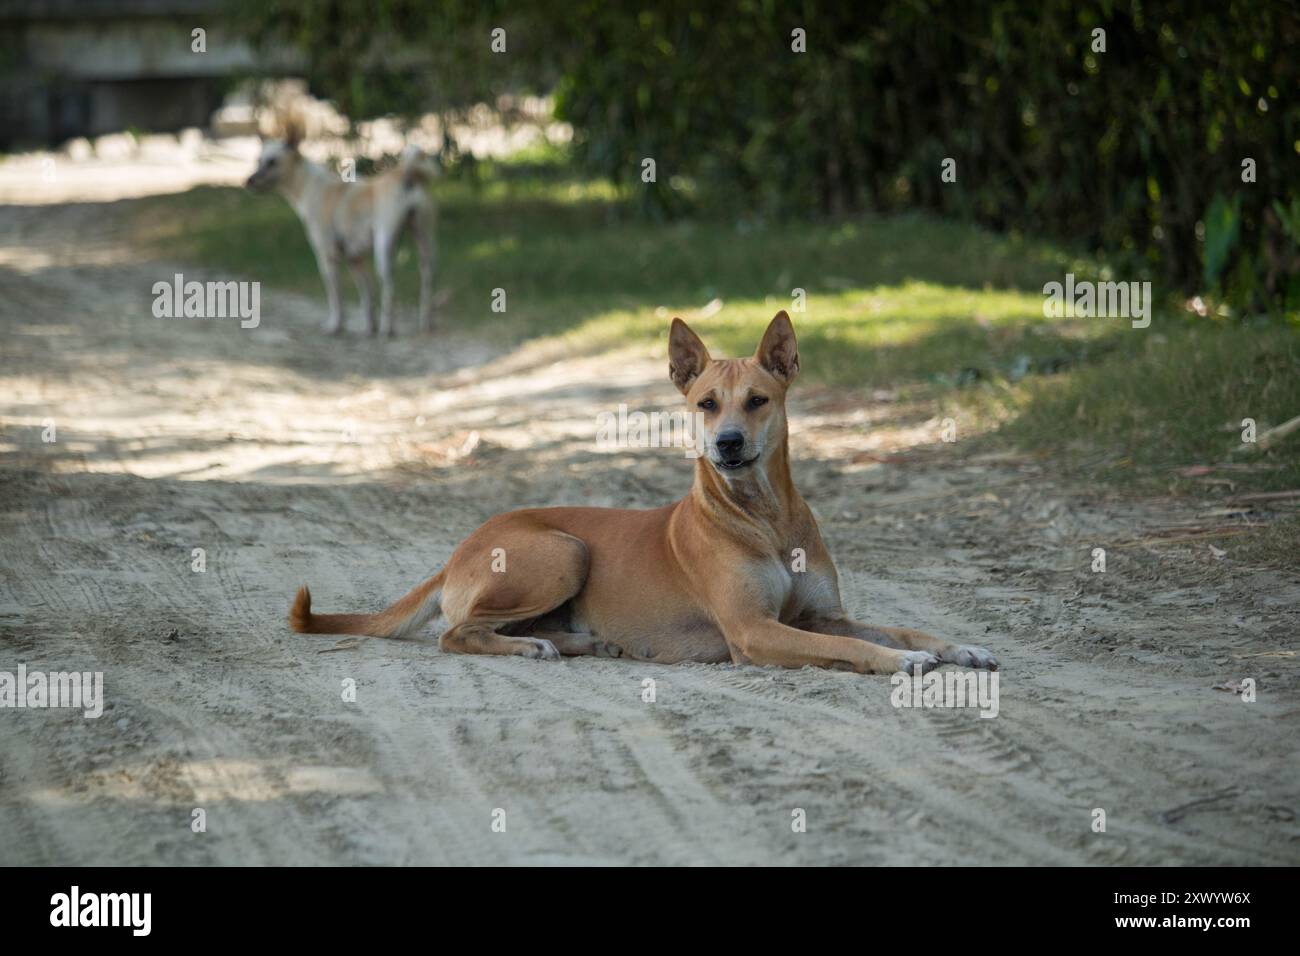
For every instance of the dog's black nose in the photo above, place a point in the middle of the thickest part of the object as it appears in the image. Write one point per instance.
(730, 444)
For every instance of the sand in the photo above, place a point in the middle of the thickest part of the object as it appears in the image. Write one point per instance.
(356, 466)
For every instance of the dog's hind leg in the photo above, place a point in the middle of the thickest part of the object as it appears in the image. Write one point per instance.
(505, 578)
(483, 639)
(385, 248)
(424, 225)
(579, 645)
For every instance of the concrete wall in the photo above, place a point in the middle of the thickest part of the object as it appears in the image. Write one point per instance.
(82, 68)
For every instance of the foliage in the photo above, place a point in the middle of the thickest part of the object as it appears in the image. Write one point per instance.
(1123, 149)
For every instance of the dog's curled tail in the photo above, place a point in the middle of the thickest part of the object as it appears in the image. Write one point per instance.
(400, 620)
(417, 168)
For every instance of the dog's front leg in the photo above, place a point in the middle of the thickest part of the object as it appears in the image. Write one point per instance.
(329, 273)
(365, 286)
(425, 240)
(767, 641)
(905, 637)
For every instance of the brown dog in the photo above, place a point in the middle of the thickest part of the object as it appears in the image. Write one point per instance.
(710, 578)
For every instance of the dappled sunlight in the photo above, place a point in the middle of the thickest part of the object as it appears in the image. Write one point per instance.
(281, 404)
(198, 418)
(161, 165)
(209, 782)
(904, 309)
(491, 248)
(27, 259)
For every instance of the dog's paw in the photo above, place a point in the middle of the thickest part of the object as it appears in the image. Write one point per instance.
(540, 650)
(969, 656)
(916, 662)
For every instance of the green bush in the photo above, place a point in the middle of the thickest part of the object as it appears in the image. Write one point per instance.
(1125, 150)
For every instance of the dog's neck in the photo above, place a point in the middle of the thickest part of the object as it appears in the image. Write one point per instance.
(303, 186)
(763, 494)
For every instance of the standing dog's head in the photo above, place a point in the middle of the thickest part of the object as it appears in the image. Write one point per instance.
(741, 401)
(278, 160)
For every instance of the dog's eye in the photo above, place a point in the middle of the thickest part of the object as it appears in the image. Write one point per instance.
(708, 404)
(756, 401)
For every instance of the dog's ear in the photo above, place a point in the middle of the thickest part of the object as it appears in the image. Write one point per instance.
(687, 356)
(293, 132)
(289, 126)
(779, 352)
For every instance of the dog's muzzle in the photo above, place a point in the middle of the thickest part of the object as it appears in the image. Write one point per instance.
(730, 447)
(735, 464)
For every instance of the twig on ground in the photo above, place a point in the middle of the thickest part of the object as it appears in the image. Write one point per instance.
(347, 644)
(1264, 439)
(1177, 813)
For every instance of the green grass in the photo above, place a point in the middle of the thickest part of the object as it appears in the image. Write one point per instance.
(888, 301)
(930, 307)
(1177, 397)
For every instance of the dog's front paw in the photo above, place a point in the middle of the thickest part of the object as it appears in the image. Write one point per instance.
(916, 662)
(969, 656)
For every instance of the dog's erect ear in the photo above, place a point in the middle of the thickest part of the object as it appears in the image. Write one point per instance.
(293, 132)
(779, 352)
(289, 126)
(687, 356)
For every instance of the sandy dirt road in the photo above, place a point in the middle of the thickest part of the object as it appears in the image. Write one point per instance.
(356, 466)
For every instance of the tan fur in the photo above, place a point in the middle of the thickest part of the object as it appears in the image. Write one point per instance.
(709, 578)
(347, 222)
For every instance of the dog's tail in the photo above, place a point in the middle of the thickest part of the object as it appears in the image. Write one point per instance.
(400, 620)
(417, 168)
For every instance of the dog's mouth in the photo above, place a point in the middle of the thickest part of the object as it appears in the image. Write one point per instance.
(734, 464)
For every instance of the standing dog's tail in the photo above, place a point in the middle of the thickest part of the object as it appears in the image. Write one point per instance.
(417, 168)
(400, 620)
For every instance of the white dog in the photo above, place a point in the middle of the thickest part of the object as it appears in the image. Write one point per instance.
(346, 221)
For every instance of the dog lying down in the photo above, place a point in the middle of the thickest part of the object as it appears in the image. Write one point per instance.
(347, 222)
(735, 571)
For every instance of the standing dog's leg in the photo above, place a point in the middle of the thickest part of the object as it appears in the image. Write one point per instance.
(424, 226)
(944, 651)
(385, 247)
(366, 286)
(329, 272)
